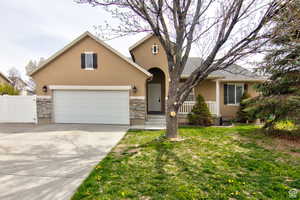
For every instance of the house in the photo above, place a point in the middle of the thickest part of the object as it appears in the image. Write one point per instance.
(22, 87)
(90, 82)
(4, 79)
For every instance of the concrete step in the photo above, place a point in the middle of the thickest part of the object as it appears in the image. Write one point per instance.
(156, 120)
(151, 115)
(155, 123)
(156, 117)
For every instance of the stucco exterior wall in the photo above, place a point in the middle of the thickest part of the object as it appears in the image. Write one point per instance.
(144, 57)
(3, 80)
(208, 90)
(229, 111)
(111, 71)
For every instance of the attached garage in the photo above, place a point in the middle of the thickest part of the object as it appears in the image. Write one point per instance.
(91, 104)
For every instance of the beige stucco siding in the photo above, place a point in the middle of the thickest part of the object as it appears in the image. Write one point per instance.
(229, 111)
(112, 70)
(144, 57)
(3, 80)
(207, 89)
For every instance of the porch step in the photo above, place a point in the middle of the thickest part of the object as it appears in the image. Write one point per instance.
(156, 120)
(163, 117)
(155, 123)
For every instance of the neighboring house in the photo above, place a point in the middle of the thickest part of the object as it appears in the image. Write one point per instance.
(22, 87)
(90, 82)
(4, 79)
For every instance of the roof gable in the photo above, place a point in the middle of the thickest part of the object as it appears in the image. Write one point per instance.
(4, 77)
(141, 41)
(77, 40)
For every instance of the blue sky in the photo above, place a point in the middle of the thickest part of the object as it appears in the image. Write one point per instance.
(32, 29)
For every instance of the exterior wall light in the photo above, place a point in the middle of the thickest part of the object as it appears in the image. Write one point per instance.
(45, 89)
(134, 89)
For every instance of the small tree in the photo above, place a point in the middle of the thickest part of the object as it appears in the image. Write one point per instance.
(7, 89)
(242, 115)
(200, 114)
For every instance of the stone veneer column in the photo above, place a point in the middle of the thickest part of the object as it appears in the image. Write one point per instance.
(137, 110)
(44, 109)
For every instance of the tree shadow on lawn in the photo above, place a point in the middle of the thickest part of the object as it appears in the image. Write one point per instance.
(235, 174)
(201, 166)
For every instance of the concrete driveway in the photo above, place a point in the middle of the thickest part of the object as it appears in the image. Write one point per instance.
(48, 162)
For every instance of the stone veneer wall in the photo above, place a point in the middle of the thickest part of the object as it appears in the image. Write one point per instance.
(44, 108)
(137, 109)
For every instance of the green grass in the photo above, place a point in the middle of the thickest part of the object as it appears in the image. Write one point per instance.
(295, 150)
(211, 163)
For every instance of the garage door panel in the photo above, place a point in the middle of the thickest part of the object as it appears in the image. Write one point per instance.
(103, 107)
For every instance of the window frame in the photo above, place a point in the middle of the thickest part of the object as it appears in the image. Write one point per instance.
(156, 47)
(235, 96)
(85, 65)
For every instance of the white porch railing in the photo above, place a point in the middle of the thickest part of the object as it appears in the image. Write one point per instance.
(212, 106)
(188, 105)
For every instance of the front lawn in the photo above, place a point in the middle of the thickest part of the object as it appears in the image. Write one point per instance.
(212, 163)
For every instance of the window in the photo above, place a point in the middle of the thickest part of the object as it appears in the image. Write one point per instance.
(155, 49)
(233, 93)
(89, 61)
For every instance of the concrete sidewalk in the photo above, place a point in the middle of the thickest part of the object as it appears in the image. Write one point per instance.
(49, 162)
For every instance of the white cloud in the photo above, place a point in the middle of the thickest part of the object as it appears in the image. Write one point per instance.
(31, 29)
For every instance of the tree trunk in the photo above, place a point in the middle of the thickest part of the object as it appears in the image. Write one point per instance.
(172, 122)
(172, 111)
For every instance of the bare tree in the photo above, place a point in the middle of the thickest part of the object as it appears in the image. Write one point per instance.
(41, 61)
(30, 67)
(34, 64)
(14, 74)
(31, 85)
(224, 30)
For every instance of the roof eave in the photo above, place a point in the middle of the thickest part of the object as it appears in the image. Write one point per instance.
(246, 80)
(7, 79)
(58, 53)
(223, 79)
(140, 41)
(209, 77)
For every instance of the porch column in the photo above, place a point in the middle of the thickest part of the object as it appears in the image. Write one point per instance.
(218, 104)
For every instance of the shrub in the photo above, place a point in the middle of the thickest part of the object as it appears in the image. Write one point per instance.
(7, 89)
(287, 125)
(200, 114)
(242, 115)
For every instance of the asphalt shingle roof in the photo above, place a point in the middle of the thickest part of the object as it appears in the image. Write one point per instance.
(233, 72)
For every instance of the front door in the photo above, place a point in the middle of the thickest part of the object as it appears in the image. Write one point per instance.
(154, 97)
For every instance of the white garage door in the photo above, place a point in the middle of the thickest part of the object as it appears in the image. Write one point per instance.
(92, 107)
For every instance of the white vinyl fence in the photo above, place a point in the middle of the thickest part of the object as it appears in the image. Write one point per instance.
(18, 109)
